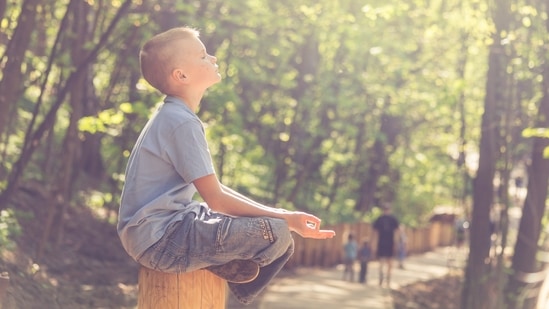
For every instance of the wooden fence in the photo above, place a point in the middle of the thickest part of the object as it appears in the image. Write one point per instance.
(328, 253)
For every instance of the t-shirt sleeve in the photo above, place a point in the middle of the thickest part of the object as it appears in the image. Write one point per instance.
(189, 152)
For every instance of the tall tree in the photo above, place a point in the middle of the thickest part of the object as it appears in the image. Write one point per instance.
(527, 271)
(11, 84)
(478, 284)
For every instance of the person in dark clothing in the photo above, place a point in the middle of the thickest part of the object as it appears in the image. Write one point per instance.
(385, 227)
(364, 256)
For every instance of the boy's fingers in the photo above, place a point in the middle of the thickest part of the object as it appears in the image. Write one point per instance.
(312, 225)
(312, 228)
(321, 234)
(327, 233)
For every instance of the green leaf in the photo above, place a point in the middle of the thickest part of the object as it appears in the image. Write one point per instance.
(536, 132)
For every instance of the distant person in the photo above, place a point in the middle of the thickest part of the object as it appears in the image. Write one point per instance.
(364, 256)
(519, 189)
(402, 246)
(160, 223)
(519, 182)
(461, 228)
(385, 227)
(350, 251)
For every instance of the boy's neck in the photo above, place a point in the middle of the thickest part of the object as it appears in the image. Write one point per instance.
(192, 102)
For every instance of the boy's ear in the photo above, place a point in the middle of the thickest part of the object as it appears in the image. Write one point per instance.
(179, 75)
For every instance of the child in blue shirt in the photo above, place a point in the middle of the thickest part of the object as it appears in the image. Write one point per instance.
(350, 251)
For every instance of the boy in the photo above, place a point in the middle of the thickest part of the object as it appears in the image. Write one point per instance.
(160, 225)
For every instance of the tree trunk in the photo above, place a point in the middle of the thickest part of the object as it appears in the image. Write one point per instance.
(523, 286)
(479, 288)
(12, 81)
(3, 5)
(461, 107)
(199, 289)
(64, 171)
(477, 273)
(79, 96)
(372, 192)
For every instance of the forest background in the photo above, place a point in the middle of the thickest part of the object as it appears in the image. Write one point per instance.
(331, 107)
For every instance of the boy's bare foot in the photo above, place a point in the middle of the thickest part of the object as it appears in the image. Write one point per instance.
(236, 271)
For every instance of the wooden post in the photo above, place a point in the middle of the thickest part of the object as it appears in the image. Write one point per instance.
(194, 290)
(4, 285)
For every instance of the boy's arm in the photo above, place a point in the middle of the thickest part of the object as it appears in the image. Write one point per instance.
(249, 200)
(225, 200)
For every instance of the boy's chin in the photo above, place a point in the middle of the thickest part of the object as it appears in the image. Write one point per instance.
(213, 83)
(216, 82)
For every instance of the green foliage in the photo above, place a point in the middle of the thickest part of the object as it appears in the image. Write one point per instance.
(305, 87)
(537, 132)
(110, 120)
(9, 229)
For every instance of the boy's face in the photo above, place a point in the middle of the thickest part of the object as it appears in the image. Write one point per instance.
(197, 67)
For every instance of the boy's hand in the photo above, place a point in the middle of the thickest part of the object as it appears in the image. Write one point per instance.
(307, 226)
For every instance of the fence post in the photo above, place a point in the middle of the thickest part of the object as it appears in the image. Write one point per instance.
(193, 290)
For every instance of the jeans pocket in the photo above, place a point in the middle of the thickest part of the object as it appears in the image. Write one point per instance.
(168, 253)
(261, 227)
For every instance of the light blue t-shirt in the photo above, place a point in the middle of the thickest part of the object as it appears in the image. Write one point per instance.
(350, 250)
(170, 153)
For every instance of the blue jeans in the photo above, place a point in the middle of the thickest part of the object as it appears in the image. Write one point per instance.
(211, 238)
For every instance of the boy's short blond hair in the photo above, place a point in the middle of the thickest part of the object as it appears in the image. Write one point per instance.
(158, 56)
